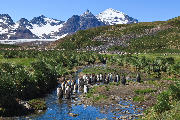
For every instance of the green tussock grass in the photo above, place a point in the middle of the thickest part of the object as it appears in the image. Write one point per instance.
(144, 91)
(165, 39)
(38, 104)
(98, 70)
(99, 97)
(138, 99)
(22, 61)
(8, 46)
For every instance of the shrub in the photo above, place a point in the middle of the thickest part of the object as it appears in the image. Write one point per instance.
(162, 102)
(37, 104)
(45, 76)
(175, 91)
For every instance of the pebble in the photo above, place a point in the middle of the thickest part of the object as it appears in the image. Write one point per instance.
(73, 115)
(39, 111)
(101, 119)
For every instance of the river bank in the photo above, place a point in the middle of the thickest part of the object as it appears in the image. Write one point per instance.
(142, 95)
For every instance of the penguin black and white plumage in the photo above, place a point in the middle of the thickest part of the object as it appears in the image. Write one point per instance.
(117, 78)
(66, 84)
(85, 89)
(59, 93)
(138, 78)
(104, 78)
(101, 77)
(72, 84)
(78, 81)
(81, 82)
(84, 77)
(110, 76)
(69, 82)
(107, 80)
(68, 93)
(123, 81)
(75, 88)
(98, 78)
(95, 79)
(88, 80)
(63, 86)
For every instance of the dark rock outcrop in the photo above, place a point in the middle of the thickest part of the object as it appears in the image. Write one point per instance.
(75, 23)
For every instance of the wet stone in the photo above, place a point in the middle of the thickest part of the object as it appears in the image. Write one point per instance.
(73, 115)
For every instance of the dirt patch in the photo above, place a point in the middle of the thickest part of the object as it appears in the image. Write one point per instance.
(113, 93)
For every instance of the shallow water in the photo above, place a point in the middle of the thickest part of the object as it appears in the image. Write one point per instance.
(60, 109)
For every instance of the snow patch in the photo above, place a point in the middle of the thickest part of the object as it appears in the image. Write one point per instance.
(3, 31)
(25, 40)
(49, 20)
(59, 37)
(1, 20)
(45, 29)
(15, 26)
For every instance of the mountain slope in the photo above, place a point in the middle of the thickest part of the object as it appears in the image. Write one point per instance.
(141, 37)
(38, 27)
(44, 27)
(75, 23)
(11, 30)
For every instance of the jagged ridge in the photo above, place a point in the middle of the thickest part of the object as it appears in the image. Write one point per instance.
(48, 28)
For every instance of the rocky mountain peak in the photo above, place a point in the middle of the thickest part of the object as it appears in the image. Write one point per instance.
(6, 19)
(39, 20)
(87, 14)
(42, 16)
(23, 22)
(43, 20)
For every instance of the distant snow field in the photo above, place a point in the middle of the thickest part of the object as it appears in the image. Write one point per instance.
(45, 29)
(25, 40)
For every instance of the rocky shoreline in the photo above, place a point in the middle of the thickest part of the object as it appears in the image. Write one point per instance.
(116, 94)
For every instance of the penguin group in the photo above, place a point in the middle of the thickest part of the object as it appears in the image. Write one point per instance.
(67, 89)
(71, 87)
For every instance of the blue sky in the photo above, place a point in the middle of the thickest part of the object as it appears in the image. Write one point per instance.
(143, 10)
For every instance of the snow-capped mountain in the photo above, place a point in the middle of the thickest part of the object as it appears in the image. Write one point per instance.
(113, 17)
(5, 19)
(5, 25)
(39, 27)
(44, 27)
(48, 28)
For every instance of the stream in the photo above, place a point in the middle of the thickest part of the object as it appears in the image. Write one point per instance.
(60, 109)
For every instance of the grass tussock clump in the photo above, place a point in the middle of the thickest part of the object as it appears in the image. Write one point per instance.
(144, 91)
(37, 104)
(96, 94)
(167, 106)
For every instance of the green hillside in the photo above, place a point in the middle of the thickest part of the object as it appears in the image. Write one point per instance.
(8, 46)
(149, 37)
